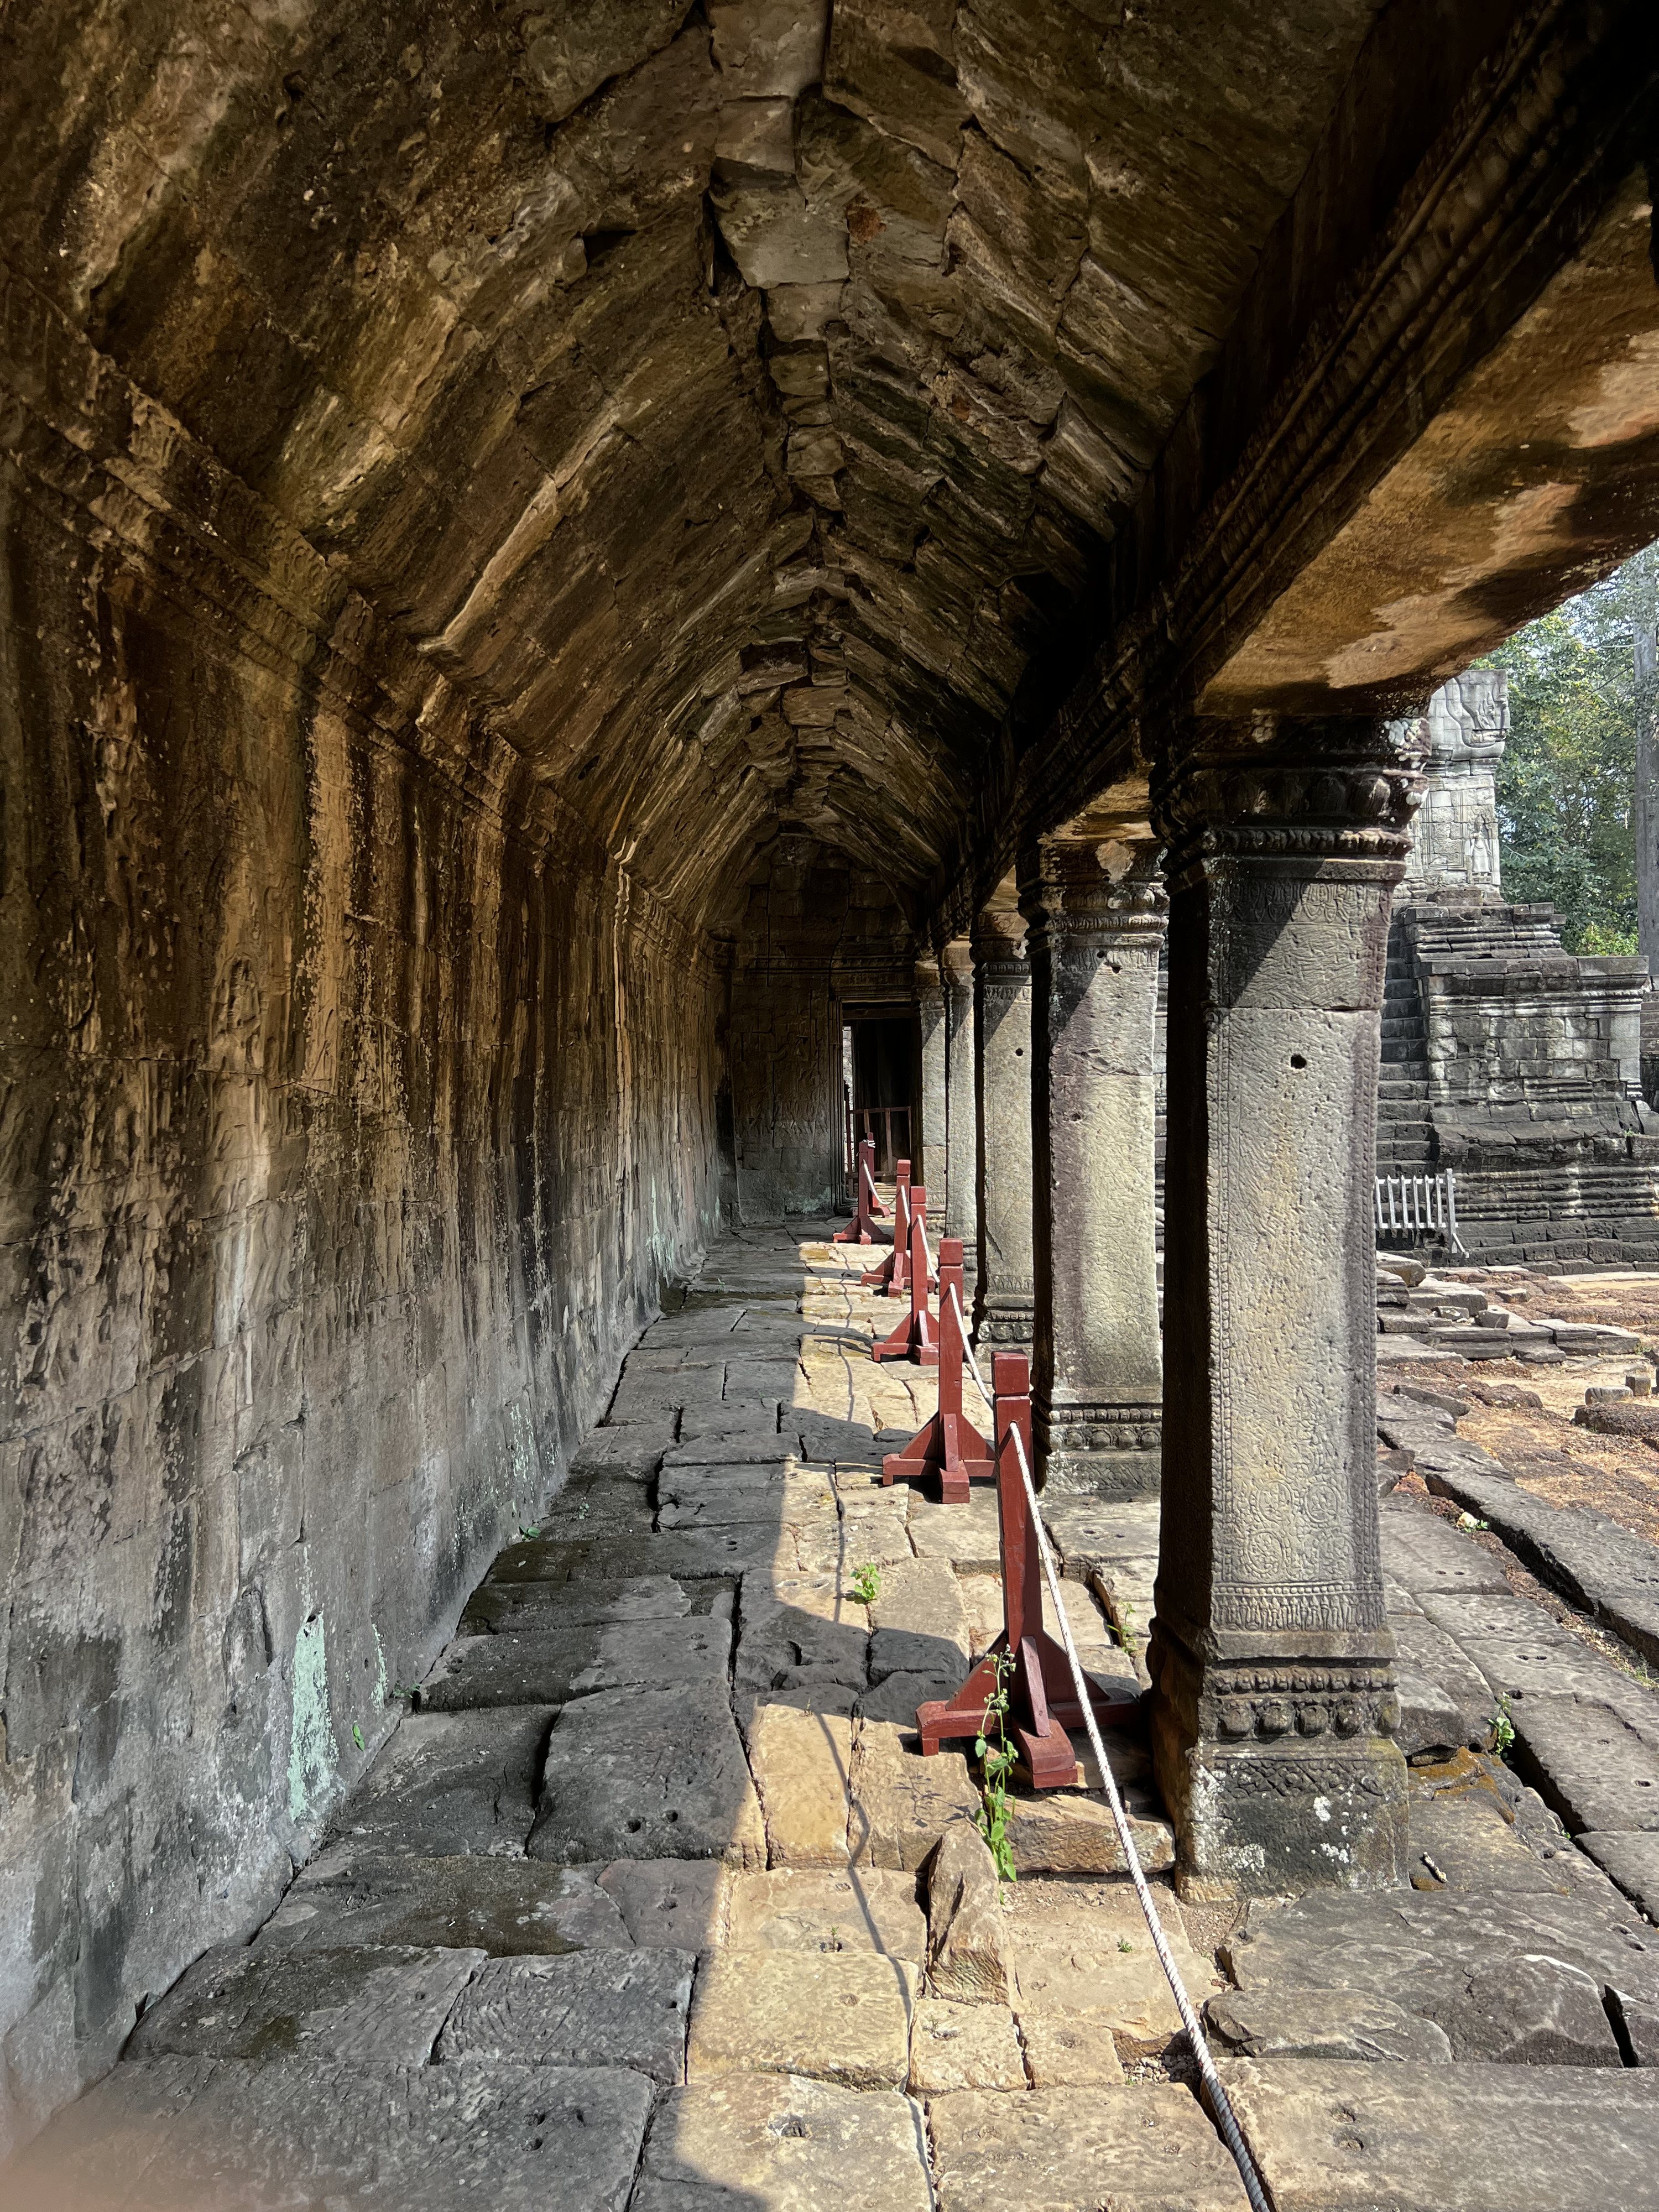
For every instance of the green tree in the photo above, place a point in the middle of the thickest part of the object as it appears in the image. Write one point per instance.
(1566, 789)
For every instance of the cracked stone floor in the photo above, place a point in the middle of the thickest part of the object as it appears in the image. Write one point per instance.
(637, 1907)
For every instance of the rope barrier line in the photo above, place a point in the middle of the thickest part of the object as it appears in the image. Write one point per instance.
(1221, 2109)
(870, 1181)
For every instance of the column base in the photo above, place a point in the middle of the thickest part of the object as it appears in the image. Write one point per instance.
(1289, 1781)
(1102, 1449)
(1007, 1319)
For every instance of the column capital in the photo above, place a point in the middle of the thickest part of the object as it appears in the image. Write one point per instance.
(928, 980)
(1000, 947)
(956, 962)
(1279, 788)
(1095, 888)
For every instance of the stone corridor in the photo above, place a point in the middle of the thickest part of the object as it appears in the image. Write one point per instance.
(652, 1902)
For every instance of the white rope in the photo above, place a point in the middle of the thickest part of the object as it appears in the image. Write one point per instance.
(1219, 2105)
(864, 1169)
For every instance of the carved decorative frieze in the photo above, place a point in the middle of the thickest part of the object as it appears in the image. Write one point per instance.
(1319, 790)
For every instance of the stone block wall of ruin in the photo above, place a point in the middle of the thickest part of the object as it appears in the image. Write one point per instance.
(354, 1110)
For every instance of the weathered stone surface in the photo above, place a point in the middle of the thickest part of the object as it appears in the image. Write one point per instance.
(1437, 2138)
(964, 2046)
(509, 1668)
(966, 1942)
(842, 2017)
(1468, 1840)
(1062, 1832)
(802, 1762)
(1631, 1860)
(806, 1909)
(590, 2009)
(1320, 2024)
(902, 1803)
(382, 2006)
(669, 1904)
(967, 1537)
(1102, 1965)
(351, 1896)
(1588, 1763)
(1069, 2050)
(783, 2140)
(645, 1774)
(425, 915)
(1511, 1978)
(918, 1622)
(454, 1782)
(657, 1655)
(1445, 1701)
(1050, 2150)
(193, 2135)
(543, 1608)
(633, 1451)
(801, 1628)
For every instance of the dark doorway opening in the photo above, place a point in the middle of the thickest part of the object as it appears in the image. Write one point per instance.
(881, 1061)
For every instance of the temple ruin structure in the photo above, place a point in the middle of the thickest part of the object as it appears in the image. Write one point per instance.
(545, 558)
(1505, 1059)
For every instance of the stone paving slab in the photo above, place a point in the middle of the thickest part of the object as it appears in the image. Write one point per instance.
(1515, 1979)
(648, 1774)
(589, 1601)
(771, 2143)
(968, 1536)
(1340, 2024)
(803, 1625)
(670, 1903)
(1137, 2148)
(589, 2008)
(513, 1666)
(964, 2046)
(1069, 2050)
(658, 1654)
(819, 1909)
(380, 2007)
(1594, 1563)
(1469, 1840)
(1445, 1700)
(1332, 2137)
(918, 1623)
(1100, 1963)
(802, 1763)
(451, 1783)
(902, 1802)
(837, 2016)
(350, 1896)
(1428, 1554)
(631, 1452)
(1587, 1764)
(1064, 1832)
(203, 2134)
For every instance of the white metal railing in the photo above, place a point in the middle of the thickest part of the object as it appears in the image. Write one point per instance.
(1419, 1206)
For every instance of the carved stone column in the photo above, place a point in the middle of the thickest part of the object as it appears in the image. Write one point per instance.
(961, 1214)
(1273, 1701)
(1004, 1300)
(930, 1165)
(1096, 915)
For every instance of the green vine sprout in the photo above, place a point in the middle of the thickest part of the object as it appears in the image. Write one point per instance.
(866, 1584)
(1502, 1732)
(995, 1759)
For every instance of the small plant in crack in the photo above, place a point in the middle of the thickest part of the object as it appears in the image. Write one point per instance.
(1502, 1729)
(1125, 1625)
(867, 1583)
(356, 1735)
(996, 1755)
(528, 1531)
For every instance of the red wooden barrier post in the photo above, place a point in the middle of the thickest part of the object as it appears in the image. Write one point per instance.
(857, 1230)
(1042, 1702)
(915, 1337)
(892, 1268)
(947, 1445)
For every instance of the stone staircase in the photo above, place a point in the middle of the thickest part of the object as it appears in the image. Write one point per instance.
(1404, 1146)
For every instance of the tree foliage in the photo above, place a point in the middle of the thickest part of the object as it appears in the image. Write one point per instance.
(1566, 786)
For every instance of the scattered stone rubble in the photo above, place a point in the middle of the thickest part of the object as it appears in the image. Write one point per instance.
(652, 1900)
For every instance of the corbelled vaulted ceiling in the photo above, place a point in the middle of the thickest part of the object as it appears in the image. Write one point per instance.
(737, 402)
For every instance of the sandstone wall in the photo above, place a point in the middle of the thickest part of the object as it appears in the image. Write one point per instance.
(352, 1108)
